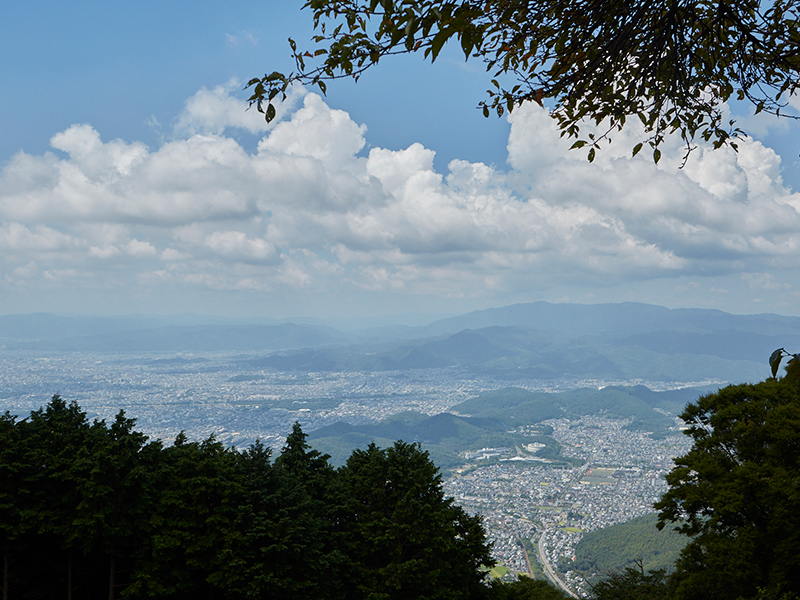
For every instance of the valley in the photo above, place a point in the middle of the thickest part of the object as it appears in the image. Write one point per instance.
(551, 421)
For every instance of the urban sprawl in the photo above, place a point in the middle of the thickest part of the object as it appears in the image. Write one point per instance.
(535, 512)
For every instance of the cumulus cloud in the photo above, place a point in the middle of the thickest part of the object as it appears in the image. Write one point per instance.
(309, 210)
(316, 131)
(215, 110)
(139, 248)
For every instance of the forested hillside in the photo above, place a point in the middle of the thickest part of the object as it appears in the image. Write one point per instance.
(613, 548)
(495, 418)
(95, 510)
(92, 510)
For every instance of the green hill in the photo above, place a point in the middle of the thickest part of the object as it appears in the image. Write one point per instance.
(494, 419)
(515, 406)
(614, 548)
(444, 436)
(512, 406)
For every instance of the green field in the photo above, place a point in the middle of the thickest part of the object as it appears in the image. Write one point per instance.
(499, 571)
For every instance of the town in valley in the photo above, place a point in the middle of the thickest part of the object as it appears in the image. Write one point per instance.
(535, 510)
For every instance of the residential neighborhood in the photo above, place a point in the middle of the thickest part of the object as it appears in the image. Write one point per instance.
(524, 499)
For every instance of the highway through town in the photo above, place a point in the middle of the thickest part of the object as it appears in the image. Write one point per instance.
(548, 569)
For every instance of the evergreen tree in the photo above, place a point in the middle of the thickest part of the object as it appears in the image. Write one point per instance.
(12, 475)
(93, 510)
(247, 562)
(409, 541)
(309, 545)
(55, 438)
(632, 583)
(197, 494)
(525, 589)
(115, 497)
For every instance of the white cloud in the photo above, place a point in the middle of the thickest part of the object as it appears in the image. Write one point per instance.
(236, 244)
(171, 254)
(240, 39)
(306, 211)
(139, 248)
(316, 131)
(213, 111)
(17, 237)
(103, 252)
(764, 281)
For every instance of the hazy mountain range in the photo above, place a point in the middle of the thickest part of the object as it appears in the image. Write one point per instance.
(537, 340)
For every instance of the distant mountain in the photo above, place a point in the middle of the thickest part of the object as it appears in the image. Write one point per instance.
(569, 319)
(208, 338)
(729, 344)
(626, 318)
(539, 340)
(522, 353)
(544, 341)
(44, 326)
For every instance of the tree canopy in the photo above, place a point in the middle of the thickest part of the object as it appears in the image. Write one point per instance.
(91, 510)
(670, 64)
(736, 493)
(632, 583)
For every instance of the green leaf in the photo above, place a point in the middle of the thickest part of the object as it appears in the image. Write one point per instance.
(775, 361)
(591, 155)
(438, 42)
(689, 57)
(636, 149)
(467, 43)
(656, 155)
(270, 113)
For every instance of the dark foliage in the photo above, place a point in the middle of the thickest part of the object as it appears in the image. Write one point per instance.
(737, 493)
(637, 541)
(526, 589)
(92, 510)
(668, 65)
(632, 583)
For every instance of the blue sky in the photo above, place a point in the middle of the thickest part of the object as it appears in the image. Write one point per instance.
(133, 180)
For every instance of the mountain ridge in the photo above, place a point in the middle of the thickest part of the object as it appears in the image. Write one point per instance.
(539, 340)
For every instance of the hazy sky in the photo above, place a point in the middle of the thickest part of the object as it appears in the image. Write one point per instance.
(133, 180)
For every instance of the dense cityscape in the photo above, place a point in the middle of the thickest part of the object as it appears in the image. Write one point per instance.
(552, 507)
(535, 512)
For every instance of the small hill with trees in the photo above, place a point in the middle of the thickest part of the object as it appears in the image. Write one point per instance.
(628, 544)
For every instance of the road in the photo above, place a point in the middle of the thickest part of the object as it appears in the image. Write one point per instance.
(548, 569)
(551, 574)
